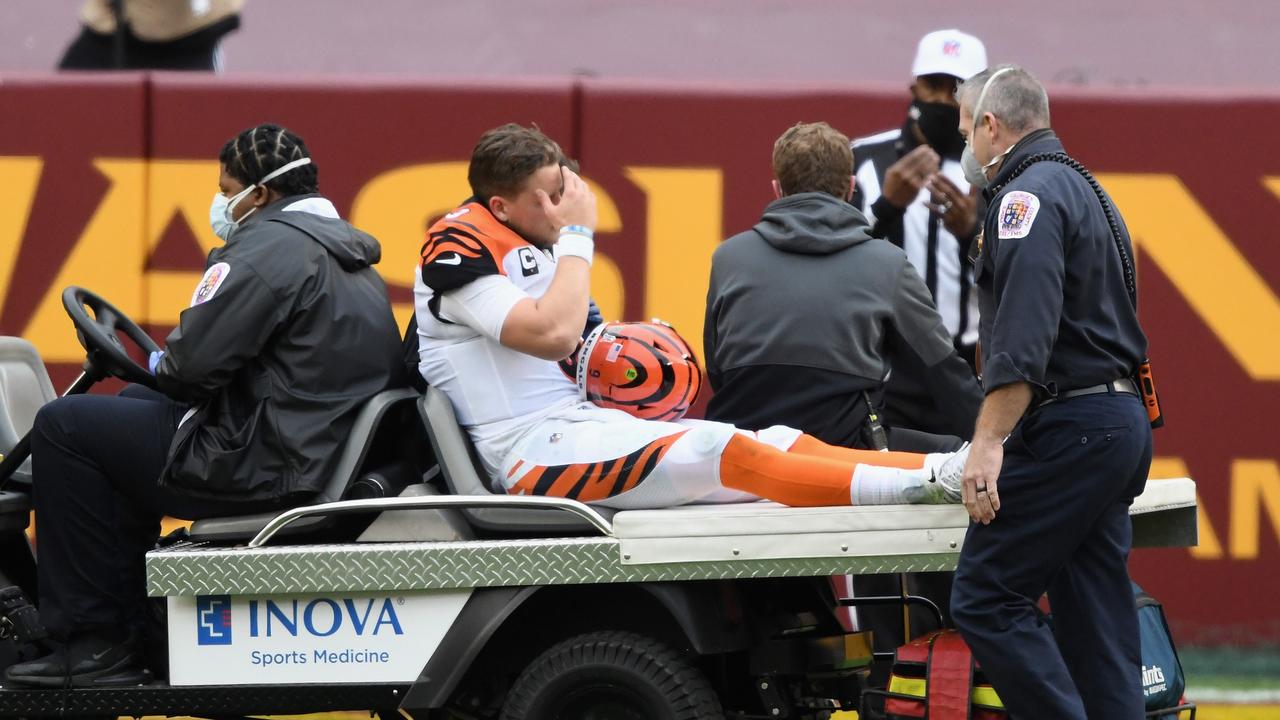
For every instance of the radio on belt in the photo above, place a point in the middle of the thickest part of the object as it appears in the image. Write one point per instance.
(1147, 391)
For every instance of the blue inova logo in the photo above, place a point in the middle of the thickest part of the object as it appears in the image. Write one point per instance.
(213, 620)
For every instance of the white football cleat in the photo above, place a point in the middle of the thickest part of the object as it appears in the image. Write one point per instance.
(946, 472)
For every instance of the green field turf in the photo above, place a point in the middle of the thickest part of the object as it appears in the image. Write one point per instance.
(1225, 674)
(1225, 683)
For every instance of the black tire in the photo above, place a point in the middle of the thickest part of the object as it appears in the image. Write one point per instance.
(611, 676)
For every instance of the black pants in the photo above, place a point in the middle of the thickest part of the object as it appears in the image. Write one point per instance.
(197, 51)
(96, 464)
(886, 623)
(1071, 470)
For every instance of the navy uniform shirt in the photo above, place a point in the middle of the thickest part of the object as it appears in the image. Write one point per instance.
(1055, 312)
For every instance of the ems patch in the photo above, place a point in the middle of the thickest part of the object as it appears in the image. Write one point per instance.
(1017, 211)
(209, 284)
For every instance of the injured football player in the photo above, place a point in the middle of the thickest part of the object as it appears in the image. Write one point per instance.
(501, 302)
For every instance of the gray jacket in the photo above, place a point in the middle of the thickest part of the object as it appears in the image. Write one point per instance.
(806, 310)
(281, 347)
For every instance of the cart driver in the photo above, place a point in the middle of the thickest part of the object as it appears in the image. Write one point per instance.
(289, 332)
(502, 295)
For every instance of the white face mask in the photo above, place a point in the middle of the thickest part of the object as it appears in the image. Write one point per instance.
(222, 207)
(974, 172)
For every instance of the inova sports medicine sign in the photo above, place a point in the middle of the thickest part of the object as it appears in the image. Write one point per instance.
(293, 639)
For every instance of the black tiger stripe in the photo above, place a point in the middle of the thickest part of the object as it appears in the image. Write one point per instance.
(473, 227)
(628, 468)
(453, 232)
(668, 373)
(664, 387)
(443, 241)
(549, 477)
(641, 374)
(433, 305)
(576, 490)
(475, 261)
(608, 468)
(652, 462)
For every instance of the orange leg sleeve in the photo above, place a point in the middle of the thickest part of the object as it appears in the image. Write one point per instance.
(794, 479)
(812, 446)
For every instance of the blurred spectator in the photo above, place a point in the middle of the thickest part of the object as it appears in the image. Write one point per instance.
(156, 34)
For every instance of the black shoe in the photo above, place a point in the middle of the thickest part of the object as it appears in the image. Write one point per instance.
(91, 660)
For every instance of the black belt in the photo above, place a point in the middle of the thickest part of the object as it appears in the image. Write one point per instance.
(1124, 385)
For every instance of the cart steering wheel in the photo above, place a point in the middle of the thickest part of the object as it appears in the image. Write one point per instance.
(100, 337)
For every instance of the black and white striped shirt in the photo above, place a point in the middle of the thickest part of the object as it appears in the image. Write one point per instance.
(937, 255)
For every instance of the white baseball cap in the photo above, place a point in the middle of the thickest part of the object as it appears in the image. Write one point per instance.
(950, 52)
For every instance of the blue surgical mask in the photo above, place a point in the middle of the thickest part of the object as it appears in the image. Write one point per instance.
(221, 219)
(220, 216)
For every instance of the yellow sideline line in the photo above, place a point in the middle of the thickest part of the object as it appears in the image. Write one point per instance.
(1239, 712)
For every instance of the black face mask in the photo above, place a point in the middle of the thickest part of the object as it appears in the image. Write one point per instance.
(940, 125)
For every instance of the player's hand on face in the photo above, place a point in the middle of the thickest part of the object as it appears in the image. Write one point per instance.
(978, 484)
(577, 204)
(904, 179)
(959, 210)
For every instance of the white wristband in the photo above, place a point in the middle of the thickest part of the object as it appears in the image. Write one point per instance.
(575, 245)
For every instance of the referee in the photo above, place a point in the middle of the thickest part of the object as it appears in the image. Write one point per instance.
(909, 185)
(1062, 444)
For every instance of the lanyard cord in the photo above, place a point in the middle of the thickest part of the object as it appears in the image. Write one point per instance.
(1125, 261)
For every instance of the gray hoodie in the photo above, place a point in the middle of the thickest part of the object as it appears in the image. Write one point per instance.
(806, 310)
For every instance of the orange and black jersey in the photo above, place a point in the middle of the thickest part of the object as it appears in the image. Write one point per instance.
(474, 270)
(470, 243)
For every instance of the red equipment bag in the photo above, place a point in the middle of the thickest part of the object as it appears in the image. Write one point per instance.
(936, 677)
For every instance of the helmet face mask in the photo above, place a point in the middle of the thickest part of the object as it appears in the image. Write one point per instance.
(642, 368)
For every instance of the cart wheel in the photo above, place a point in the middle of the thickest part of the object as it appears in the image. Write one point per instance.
(611, 676)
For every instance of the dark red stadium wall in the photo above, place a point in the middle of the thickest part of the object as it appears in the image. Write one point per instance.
(392, 156)
(117, 176)
(130, 166)
(687, 167)
(72, 168)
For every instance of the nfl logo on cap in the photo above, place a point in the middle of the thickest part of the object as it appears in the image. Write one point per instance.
(949, 52)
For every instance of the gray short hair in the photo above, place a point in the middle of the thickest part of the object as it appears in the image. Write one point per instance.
(1016, 97)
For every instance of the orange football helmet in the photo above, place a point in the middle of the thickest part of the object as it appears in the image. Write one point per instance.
(643, 368)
